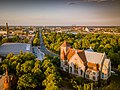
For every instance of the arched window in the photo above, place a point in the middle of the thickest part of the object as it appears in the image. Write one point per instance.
(94, 77)
(81, 72)
(75, 68)
(70, 69)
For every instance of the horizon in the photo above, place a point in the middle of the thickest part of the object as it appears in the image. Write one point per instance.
(61, 13)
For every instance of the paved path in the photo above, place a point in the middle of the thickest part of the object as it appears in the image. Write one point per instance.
(43, 48)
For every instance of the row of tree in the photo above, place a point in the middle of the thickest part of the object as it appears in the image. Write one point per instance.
(110, 44)
(53, 79)
(36, 41)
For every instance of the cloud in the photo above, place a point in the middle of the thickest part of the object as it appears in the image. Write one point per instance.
(73, 2)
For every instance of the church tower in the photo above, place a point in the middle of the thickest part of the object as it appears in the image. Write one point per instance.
(63, 50)
(7, 81)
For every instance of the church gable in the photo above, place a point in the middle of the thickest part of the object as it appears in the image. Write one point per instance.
(65, 44)
(75, 59)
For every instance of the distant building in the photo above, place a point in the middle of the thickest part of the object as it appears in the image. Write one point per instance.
(87, 29)
(3, 32)
(15, 48)
(88, 64)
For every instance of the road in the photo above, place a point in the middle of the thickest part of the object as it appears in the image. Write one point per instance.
(43, 48)
(40, 55)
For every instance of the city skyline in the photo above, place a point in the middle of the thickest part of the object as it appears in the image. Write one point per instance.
(61, 13)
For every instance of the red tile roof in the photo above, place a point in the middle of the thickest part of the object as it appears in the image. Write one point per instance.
(70, 53)
(93, 66)
(81, 54)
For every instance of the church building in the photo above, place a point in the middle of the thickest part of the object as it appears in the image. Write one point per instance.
(85, 63)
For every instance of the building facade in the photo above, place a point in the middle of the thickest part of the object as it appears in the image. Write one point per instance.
(85, 63)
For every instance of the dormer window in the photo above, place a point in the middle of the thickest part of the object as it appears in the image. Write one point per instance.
(70, 69)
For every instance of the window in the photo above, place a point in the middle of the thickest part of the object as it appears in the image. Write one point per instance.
(94, 73)
(102, 75)
(66, 69)
(94, 77)
(81, 72)
(75, 68)
(70, 69)
(87, 76)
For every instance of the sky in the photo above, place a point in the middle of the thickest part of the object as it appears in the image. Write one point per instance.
(60, 13)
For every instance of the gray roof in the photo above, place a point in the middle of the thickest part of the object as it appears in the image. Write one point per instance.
(94, 57)
(15, 48)
(90, 50)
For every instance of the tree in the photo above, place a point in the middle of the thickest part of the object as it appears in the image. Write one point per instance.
(27, 81)
(29, 56)
(36, 42)
(10, 55)
(25, 40)
(50, 70)
(15, 39)
(88, 86)
(18, 69)
(52, 82)
(27, 66)
(46, 64)
(37, 72)
(119, 68)
(4, 40)
(56, 61)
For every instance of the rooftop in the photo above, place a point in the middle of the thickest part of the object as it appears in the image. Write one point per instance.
(15, 48)
(94, 57)
(65, 44)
